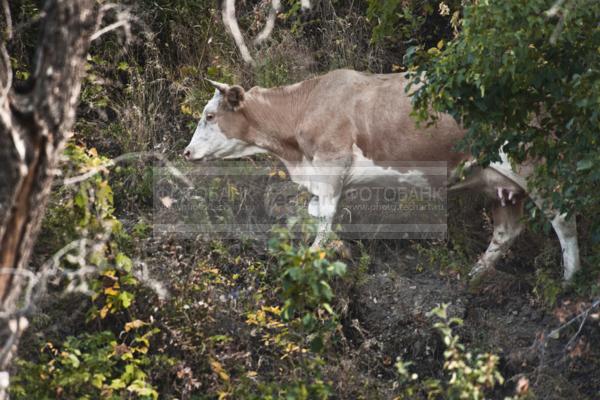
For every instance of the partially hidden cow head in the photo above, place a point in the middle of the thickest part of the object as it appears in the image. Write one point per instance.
(223, 130)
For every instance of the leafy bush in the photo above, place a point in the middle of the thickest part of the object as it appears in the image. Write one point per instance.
(93, 363)
(470, 376)
(305, 284)
(90, 365)
(421, 22)
(524, 78)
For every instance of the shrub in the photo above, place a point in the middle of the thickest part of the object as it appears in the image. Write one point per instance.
(524, 78)
(470, 375)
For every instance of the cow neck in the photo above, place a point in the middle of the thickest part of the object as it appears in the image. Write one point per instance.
(274, 116)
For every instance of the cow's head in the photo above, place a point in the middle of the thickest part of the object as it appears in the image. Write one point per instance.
(223, 130)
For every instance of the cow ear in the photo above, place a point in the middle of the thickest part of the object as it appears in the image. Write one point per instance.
(235, 96)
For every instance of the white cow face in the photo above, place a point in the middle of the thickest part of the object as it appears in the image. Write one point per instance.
(223, 130)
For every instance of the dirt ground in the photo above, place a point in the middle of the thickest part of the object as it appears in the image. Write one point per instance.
(387, 319)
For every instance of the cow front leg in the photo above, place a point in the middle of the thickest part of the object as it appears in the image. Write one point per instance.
(313, 207)
(327, 204)
(507, 227)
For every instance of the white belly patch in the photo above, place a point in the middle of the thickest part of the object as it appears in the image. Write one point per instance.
(364, 170)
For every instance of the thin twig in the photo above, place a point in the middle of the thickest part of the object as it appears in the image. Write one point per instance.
(127, 157)
(31, 283)
(108, 28)
(583, 315)
(123, 19)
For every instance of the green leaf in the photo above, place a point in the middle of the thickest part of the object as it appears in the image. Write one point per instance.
(126, 298)
(98, 380)
(117, 384)
(316, 345)
(584, 165)
(328, 308)
(123, 262)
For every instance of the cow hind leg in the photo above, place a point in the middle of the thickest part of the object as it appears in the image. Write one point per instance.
(566, 230)
(507, 227)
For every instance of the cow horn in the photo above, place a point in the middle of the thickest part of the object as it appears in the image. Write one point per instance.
(222, 87)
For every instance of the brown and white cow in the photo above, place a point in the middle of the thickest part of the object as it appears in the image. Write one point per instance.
(344, 118)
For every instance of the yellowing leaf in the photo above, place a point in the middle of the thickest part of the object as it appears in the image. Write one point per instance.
(217, 368)
(103, 312)
(186, 109)
(273, 309)
(110, 291)
(134, 325)
(223, 395)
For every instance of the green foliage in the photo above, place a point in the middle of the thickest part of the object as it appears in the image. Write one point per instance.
(470, 375)
(548, 281)
(273, 72)
(81, 210)
(547, 287)
(515, 75)
(412, 21)
(132, 185)
(96, 363)
(446, 258)
(89, 366)
(305, 284)
(239, 324)
(317, 390)
(301, 328)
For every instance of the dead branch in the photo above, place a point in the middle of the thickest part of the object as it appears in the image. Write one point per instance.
(582, 317)
(230, 21)
(128, 157)
(123, 16)
(268, 29)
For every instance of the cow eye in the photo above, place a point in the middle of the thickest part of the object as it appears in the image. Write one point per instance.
(210, 117)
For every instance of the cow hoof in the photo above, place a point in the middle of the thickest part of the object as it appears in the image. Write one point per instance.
(479, 274)
(478, 269)
(341, 249)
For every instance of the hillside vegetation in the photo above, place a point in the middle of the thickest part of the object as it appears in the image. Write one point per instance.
(137, 314)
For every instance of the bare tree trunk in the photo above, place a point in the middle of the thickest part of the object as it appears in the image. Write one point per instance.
(33, 129)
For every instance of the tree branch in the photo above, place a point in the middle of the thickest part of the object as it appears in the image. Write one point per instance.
(128, 157)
